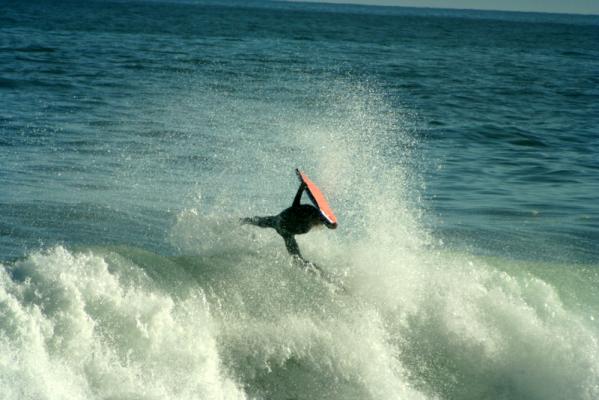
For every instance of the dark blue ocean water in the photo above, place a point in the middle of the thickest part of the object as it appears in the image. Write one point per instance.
(100, 101)
(459, 149)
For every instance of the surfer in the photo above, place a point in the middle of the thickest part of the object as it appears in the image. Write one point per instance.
(295, 220)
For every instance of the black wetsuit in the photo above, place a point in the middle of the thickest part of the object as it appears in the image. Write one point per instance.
(295, 220)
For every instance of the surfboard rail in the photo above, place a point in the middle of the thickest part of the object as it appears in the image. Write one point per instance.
(318, 199)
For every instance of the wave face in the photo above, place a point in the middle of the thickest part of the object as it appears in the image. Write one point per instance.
(458, 150)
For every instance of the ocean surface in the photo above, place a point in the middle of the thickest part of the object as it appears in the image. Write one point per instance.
(459, 150)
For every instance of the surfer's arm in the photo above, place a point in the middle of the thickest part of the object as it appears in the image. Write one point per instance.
(298, 195)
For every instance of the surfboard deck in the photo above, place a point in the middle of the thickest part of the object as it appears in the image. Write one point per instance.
(318, 199)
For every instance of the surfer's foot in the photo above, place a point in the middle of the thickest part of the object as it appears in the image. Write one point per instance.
(310, 266)
(246, 221)
(307, 265)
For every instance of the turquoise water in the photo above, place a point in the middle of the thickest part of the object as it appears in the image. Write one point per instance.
(459, 150)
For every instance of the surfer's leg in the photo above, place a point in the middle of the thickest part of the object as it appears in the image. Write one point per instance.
(292, 246)
(293, 249)
(262, 222)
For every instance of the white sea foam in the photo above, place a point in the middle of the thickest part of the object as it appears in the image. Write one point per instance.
(101, 325)
(78, 326)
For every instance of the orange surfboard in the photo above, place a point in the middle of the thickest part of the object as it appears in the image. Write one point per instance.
(318, 199)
